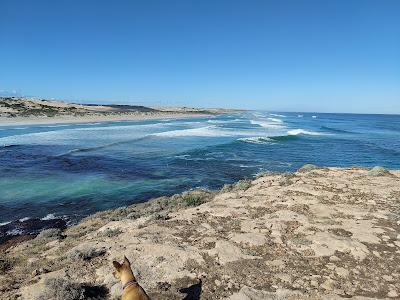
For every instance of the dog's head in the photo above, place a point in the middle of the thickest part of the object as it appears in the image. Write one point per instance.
(121, 269)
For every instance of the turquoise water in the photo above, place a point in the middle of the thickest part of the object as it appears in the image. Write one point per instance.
(73, 170)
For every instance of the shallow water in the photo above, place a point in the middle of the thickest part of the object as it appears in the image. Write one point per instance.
(74, 170)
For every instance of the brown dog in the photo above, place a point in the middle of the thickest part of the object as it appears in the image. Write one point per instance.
(132, 289)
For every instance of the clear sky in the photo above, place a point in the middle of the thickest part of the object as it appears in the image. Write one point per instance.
(287, 55)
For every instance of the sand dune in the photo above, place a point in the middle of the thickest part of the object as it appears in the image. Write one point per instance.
(24, 111)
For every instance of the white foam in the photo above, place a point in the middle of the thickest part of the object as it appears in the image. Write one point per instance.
(224, 121)
(216, 121)
(275, 120)
(5, 223)
(14, 232)
(299, 116)
(48, 217)
(182, 156)
(207, 131)
(313, 117)
(278, 115)
(119, 128)
(88, 136)
(54, 126)
(303, 132)
(249, 165)
(24, 219)
(265, 124)
(189, 123)
(256, 140)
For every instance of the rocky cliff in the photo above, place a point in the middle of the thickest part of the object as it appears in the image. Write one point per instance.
(319, 233)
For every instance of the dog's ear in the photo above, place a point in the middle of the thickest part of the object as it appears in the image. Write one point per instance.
(126, 261)
(117, 265)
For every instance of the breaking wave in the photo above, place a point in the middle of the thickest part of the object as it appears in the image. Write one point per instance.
(278, 115)
(275, 120)
(266, 124)
(256, 140)
(207, 131)
(224, 121)
(303, 132)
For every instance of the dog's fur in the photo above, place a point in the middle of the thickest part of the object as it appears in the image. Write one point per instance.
(124, 272)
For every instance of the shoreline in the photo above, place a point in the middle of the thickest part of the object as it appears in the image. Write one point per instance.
(311, 231)
(94, 118)
(65, 222)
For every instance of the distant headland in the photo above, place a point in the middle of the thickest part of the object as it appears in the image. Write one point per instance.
(19, 110)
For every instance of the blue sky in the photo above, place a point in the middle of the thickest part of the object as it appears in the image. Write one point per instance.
(287, 55)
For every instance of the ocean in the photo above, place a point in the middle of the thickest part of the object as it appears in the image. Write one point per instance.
(68, 171)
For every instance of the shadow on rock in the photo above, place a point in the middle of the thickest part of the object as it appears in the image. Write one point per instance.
(94, 291)
(193, 292)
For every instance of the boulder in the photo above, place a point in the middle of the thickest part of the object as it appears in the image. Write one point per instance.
(378, 171)
(308, 167)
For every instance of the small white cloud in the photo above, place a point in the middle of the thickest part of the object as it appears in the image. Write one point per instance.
(10, 93)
